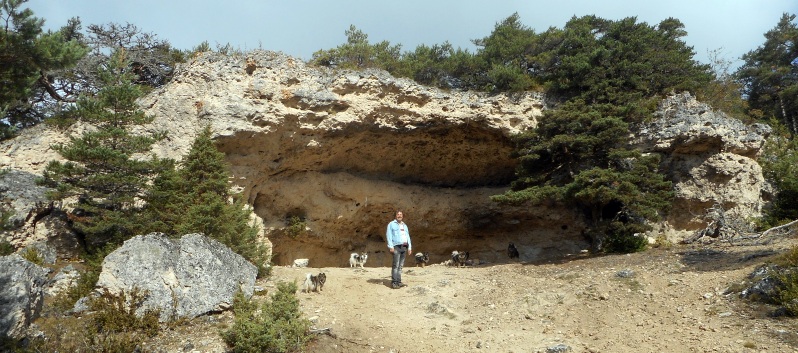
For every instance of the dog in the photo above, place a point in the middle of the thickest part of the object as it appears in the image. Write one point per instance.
(422, 259)
(512, 251)
(321, 278)
(358, 259)
(314, 283)
(459, 258)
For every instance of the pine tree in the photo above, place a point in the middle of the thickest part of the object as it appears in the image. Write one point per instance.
(195, 199)
(770, 74)
(101, 172)
(27, 53)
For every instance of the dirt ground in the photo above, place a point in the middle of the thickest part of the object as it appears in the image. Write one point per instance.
(662, 300)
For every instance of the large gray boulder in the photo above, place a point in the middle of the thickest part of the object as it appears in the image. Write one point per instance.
(21, 294)
(185, 277)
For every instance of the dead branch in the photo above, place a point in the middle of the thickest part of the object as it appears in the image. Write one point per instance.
(778, 228)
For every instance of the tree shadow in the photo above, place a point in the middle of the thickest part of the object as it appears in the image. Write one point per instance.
(704, 260)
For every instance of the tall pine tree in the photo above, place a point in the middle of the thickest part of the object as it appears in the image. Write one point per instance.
(101, 175)
(196, 198)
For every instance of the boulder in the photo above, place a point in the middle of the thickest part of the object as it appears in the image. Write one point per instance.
(21, 294)
(184, 278)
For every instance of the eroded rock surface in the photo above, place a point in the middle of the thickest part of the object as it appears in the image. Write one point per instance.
(340, 151)
(710, 158)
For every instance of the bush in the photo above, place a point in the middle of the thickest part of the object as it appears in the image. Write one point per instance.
(623, 237)
(786, 281)
(6, 248)
(32, 255)
(111, 325)
(278, 327)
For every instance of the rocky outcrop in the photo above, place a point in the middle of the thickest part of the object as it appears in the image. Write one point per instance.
(709, 157)
(21, 294)
(342, 150)
(339, 151)
(184, 278)
(33, 220)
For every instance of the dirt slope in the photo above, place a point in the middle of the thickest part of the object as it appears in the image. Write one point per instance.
(662, 300)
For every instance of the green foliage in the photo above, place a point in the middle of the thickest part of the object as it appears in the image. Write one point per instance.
(111, 325)
(621, 237)
(504, 57)
(101, 170)
(26, 54)
(358, 53)
(578, 155)
(296, 226)
(117, 313)
(770, 74)
(779, 161)
(194, 199)
(786, 280)
(6, 248)
(620, 62)
(278, 327)
(32, 255)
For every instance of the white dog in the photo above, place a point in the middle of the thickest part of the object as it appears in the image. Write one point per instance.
(358, 259)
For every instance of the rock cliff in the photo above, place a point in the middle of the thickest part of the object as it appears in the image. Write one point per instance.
(340, 151)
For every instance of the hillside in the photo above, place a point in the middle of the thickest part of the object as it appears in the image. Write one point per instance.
(662, 300)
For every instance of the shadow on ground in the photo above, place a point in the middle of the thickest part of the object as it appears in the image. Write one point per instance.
(702, 260)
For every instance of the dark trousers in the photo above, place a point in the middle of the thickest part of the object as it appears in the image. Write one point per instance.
(399, 254)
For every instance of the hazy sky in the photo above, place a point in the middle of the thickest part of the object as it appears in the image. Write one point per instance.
(301, 27)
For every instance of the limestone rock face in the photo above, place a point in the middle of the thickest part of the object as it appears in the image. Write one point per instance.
(185, 278)
(326, 156)
(342, 150)
(21, 294)
(710, 159)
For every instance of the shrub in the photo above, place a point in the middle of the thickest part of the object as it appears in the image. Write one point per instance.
(111, 325)
(785, 276)
(296, 226)
(277, 327)
(32, 255)
(6, 248)
(623, 237)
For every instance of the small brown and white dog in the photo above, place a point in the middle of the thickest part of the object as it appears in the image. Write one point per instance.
(358, 259)
(422, 258)
(314, 283)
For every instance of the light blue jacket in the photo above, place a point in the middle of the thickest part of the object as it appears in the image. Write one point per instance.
(394, 237)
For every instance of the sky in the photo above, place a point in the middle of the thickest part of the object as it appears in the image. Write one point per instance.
(299, 28)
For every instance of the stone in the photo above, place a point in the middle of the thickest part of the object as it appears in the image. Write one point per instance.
(21, 294)
(184, 278)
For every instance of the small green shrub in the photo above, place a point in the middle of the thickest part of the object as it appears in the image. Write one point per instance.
(622, 237)
(110, 325)
(296, 226)
(32, 255)
(785, 272)
(117, 313)
(6, 248)
(278, 327)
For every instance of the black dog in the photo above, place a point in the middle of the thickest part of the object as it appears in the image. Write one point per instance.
(512, 252)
